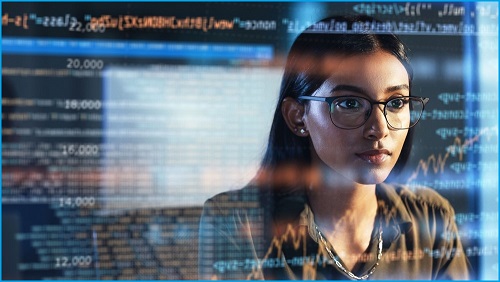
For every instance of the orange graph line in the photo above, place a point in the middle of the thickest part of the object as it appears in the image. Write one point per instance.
(457, 148)
(277, 244)
(297, 238)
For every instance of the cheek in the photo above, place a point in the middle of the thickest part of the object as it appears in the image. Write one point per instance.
(328, 141)
(321, 129)
(322, 134)
(332, 144)
(317, 115)
(399, 138)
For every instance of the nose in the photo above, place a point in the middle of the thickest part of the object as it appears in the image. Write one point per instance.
(376, 127)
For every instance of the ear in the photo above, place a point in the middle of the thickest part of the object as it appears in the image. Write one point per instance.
(293, 113)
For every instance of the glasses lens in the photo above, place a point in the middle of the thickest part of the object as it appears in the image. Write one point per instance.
(352, 112)
(404, 112)
(349, 112)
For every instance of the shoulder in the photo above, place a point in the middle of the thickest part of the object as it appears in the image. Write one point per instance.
(425, 197)
(248, 197)
(422, 194)
(249, 193)
(418, 199)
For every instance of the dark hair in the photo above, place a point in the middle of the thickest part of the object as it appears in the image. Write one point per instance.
(301, 77)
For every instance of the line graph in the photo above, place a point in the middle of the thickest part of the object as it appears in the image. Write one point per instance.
(458, 148)
(297, 238)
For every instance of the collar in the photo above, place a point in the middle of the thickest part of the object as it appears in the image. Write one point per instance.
(395, 216)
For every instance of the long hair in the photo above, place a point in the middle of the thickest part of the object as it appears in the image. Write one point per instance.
(302, 78)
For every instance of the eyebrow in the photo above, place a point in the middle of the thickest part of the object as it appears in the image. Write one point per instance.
(352, 88)
(397, 88)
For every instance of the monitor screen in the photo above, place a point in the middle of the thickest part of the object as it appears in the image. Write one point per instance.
(119, 120)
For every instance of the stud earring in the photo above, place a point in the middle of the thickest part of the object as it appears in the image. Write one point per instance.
(302, 131)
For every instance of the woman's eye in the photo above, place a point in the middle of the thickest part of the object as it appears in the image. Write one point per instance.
(396, 103)
(349, 104)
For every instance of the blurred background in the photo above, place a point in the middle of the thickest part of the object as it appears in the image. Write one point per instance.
(120, 119)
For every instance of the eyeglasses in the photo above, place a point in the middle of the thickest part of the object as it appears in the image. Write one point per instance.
(350, 112)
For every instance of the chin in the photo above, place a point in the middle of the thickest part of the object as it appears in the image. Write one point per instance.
(372, 177)
(359, 174)
(370, 181)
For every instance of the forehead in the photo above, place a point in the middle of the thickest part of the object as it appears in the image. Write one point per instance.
(373, 71)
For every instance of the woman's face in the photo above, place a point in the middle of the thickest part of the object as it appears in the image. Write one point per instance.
(367, 154)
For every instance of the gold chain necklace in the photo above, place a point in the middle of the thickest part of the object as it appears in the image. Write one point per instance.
(339, 264)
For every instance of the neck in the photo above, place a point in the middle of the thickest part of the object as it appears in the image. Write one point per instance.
(348, 207)
(345, 212)
(340, 204)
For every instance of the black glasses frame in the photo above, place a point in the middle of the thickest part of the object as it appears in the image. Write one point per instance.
(330, 101)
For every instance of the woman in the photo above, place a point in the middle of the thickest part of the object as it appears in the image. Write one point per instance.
(318, 208)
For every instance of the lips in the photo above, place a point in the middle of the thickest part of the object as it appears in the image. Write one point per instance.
(374, 156)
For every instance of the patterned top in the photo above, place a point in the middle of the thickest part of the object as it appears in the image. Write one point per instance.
(259, 233)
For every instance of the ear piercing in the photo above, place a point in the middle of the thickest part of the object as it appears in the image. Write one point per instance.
(302, 131)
